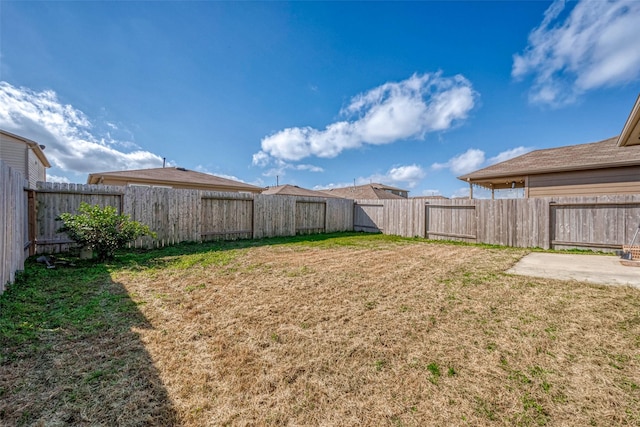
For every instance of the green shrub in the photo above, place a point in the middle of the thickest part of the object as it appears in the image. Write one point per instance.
(102, 229)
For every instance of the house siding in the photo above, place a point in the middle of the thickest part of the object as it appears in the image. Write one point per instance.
(13, 154)
(20, 156)
(623, 180)
(37, 171)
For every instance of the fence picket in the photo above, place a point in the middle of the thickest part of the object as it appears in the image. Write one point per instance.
(13, 222)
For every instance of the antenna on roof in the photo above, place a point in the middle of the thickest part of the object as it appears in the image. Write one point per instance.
(164, 161)
(277, 180)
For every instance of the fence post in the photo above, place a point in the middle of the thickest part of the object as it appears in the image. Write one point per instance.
(426, 220)
(551, 225)
(31, 221)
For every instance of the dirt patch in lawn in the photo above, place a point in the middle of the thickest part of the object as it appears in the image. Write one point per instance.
(370, 331)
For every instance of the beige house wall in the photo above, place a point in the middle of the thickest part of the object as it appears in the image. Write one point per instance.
(597, 182)
(13, 153)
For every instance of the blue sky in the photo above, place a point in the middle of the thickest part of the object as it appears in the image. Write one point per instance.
(409, 94)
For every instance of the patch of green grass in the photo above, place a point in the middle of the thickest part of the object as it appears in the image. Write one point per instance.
(533, 413)
(73, 300)
(551, 331)
(537, 371)
(301, 271)
(95, 376)
(380, 364)
(434, 369)
(192, 288)
(485, 409)
(519, 377)
(629, 385)
(205, 259)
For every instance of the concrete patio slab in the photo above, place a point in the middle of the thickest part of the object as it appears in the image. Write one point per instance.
(600, 269)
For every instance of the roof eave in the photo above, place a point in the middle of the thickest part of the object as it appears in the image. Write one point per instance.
(472, 179)
(31, 144)
(96, 178)
(630, 134)
(39, 153)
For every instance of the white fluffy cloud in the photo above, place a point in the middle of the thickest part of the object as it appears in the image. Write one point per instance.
(66, 132)
(595, 46)
(468, 161)
(431, 192)
(203, 169)
(280, 167)
(407, 176)
(509, 154)
(386, 114)
(55, 178)
(460, 192)
(474, 159)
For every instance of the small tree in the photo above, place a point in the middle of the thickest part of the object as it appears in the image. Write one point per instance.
(102, 229)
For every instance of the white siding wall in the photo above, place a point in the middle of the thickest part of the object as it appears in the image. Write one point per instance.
(13, 154)
(17, 154)
(36, 169)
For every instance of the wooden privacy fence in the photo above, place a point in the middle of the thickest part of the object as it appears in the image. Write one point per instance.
(601, 223)
(190, 215)
(14, 239)
(28, 217)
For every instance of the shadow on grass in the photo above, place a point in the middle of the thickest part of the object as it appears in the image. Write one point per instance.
(69, 353)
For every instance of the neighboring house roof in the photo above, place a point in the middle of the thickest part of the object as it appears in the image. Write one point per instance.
(172, 177)
(430, 197)
(294, 190)
(631, 131)
(367, 191)
(37, 148)
(595, 155)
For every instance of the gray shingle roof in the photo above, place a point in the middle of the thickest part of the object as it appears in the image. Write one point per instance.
(595, 155)
(294, 190)
(177, 176)
(367, 191)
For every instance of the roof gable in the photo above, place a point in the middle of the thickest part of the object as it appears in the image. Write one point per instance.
(35, 147)
(631, 131)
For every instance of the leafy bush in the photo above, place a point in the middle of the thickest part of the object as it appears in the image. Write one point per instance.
(102, 229)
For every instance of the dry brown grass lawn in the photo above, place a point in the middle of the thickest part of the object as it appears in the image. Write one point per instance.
(379, 332)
